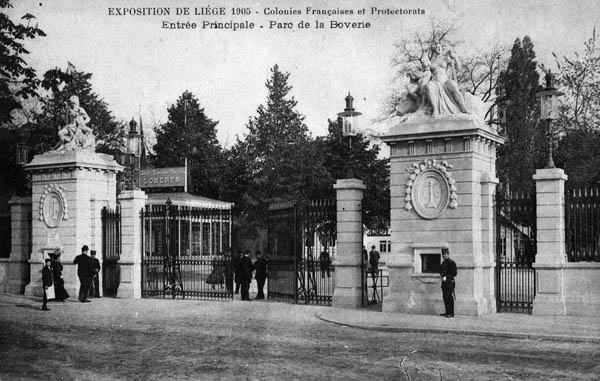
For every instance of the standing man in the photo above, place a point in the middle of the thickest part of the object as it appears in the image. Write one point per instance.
(95, 290)
(261, 274)
(246, 268)
(46, 282)
(448, 272)
(325, 262)
(85, 274)
(374, 263)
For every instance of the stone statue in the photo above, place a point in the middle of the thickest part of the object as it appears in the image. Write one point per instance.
(76, 135)
(431, 90)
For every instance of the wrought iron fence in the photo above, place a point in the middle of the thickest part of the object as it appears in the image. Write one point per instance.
(5, 228)
(582, 224)
(302, 240)
(516, 248)
(111, 246)
(183, 252)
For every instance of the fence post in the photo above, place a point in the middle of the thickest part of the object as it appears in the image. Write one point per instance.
(18, 266)
(131, 232)
(348, 258)
(551, 255)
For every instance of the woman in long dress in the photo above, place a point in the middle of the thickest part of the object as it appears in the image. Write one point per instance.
(441, 92)
(59, 283)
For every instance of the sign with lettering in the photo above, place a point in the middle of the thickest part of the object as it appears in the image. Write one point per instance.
(163, 177)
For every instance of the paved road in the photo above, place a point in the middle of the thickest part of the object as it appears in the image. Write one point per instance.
(166, 339)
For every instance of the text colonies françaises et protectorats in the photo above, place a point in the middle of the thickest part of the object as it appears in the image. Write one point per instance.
(240, 14)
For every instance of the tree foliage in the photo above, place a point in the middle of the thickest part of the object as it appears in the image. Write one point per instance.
(189, 133)
(356, 157)
(578, 125)
(17, 78)
(517, 88)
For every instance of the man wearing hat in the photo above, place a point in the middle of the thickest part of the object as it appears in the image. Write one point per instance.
(46, 282)
(448, 272)
(95, 290)
(85, 274)
(246, 268)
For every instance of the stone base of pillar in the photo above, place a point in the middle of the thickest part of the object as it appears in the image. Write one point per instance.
(34, 288)
(347, 297)
(549, 304)
(549, 298)
(131, 280)
(432, 305)
(19, 276)
(586, 305)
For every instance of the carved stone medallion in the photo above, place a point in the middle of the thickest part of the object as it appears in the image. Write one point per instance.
(53, 206)
(430, 189)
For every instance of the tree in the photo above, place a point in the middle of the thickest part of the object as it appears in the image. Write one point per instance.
(190, 134)
(578, 125)
(64, 84)
(357, 158)
(278, 146)
(517, 88)
(17, 78)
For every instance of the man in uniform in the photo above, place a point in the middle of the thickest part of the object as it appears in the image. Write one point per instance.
(95, 290)
(448, 272)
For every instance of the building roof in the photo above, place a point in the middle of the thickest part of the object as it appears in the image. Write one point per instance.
(186, 199)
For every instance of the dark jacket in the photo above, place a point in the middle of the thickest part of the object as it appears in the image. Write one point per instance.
(84, 266)
(448, 270)
(246, 268)
(46, 277)
(95, 265)
(261, 268)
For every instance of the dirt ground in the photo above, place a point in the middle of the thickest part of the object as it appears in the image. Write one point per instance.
(121, 339)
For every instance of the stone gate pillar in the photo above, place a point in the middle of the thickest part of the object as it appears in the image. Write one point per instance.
(68, 191)
(130, 262)
(442, 182)
(550, 259)
(348, 257)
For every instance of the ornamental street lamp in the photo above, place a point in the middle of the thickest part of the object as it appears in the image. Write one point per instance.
(549, 112)
(23, 149)
(134, 149)
(349, 122)
(349, 119)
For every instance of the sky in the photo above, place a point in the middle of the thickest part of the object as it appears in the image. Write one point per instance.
(140, 67)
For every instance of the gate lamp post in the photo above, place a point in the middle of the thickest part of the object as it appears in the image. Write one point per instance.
(349, 122)
(349, 119)
(549, 112)
(134, 149)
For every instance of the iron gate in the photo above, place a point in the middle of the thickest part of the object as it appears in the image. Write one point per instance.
(111, 246)
(515, 251)
(301, 244)
(186, 252)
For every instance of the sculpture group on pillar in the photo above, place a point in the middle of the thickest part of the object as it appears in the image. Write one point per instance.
(432, 89)
(76, 135)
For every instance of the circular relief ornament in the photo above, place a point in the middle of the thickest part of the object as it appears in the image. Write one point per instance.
(430, 189)
(53, 206)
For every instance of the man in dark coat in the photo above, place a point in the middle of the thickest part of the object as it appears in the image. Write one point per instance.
(46, 282)
(246, 268)
(95, 289)
(261, 274)
(236, 261)
(85, 273)
(448, 272)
